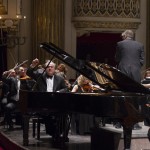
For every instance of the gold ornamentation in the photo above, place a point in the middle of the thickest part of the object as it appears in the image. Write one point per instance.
(4, 24)
(106, 24)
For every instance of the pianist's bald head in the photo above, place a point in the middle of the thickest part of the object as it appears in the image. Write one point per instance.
(50, 68)
(50, 63)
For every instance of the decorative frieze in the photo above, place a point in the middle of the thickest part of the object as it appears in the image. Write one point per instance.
(106, 8)
(117, 14)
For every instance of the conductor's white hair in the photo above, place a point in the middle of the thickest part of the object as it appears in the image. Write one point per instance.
(128, 33)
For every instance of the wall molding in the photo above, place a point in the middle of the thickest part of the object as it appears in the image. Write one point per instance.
(106, 24)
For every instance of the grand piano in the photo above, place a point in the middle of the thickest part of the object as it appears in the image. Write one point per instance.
(118, 99)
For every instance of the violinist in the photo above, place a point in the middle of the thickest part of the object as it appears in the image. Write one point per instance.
(13, 80)
(83, 85)
(81, 123)
(10, 96)
(26, 81)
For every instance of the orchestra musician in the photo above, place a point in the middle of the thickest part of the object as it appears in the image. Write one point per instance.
(13, 80)
(146, 82)
(62, 71)
(81, 123)
(48, 81)
(83, 85)
(26, 81)
(10, 96)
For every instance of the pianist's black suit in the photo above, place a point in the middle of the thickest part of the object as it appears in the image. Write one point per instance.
(59, 83)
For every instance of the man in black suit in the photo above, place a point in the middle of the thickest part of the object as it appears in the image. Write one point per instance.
(130, 58)
(10, 96)
(48, 81)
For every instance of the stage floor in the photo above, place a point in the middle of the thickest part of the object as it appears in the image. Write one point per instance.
(76, 142)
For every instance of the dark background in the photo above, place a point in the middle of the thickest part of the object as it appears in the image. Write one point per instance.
(3, 53)
(98, 47)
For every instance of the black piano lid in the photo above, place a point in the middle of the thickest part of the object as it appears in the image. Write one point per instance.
(116, 80)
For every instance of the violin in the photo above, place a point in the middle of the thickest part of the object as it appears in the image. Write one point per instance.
(91, 88)
(87, 88)
(25, 78)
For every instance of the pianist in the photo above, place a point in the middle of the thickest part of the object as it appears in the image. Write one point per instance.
(54, 83)
(47, 81)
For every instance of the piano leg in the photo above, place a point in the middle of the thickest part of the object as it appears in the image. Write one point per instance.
(26, 129)
(127, 132)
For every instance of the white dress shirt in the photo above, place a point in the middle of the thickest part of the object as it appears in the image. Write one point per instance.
(49, 82)
(16, 97)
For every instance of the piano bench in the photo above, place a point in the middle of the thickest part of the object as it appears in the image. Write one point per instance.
(36, 123)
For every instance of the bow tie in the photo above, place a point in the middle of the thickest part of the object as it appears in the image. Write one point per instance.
(49, 77)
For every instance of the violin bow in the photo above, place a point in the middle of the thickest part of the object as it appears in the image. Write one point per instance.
(17, 66)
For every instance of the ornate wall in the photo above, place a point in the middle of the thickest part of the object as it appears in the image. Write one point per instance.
(108, 16)
(106, 13)
(106, 8)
